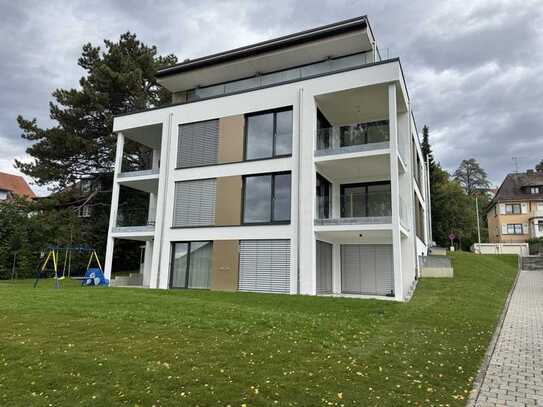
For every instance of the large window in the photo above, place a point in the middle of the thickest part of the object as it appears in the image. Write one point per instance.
(268, 134)
(323, 197)
(191, 265)
(364, 133)
(362, 200)
(266, 198)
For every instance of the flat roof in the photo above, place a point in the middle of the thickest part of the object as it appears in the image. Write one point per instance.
(298, 38)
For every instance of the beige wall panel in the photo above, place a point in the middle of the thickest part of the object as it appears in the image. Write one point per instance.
(500, 220)
(231, 135)
(228, 202)
(225, 265)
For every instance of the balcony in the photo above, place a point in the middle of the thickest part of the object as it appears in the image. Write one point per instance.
(327, 66)
(135, 220)
(353, 138)
(138, 172)
(366, 208)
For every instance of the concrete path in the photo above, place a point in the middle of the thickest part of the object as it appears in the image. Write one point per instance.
(515, 374)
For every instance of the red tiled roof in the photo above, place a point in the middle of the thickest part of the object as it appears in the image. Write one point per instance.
(15, 184)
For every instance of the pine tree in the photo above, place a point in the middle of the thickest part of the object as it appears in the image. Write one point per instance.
(119, 80)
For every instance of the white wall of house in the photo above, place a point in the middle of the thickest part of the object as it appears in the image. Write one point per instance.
(302, 230)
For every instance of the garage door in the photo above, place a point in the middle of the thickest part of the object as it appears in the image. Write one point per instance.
(264, 266)
(324, 267)
(367, 269)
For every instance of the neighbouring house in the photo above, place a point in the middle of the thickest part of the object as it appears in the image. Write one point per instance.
(12, 186)
(515, 214)
(288, 166)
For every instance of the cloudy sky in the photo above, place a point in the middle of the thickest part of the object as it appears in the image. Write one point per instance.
(474, 68)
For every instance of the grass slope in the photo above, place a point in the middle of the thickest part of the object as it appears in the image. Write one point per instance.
(98, 346)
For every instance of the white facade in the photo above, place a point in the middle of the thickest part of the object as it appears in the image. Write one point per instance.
(373, 91)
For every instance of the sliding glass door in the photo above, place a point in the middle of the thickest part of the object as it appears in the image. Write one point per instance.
(191, 265)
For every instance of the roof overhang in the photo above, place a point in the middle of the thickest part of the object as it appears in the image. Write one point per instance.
(343, 38)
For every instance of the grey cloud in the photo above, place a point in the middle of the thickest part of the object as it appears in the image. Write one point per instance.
(474, 69)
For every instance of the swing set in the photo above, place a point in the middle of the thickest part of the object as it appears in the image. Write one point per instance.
(54, 254)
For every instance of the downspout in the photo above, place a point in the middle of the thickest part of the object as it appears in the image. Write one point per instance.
(298, 223)
(428, 203)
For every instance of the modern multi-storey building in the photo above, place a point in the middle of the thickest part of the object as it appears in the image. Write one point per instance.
(287, 166)
(515, 214)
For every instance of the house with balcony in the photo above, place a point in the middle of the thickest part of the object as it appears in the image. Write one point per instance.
(515, 214)
(288, 166)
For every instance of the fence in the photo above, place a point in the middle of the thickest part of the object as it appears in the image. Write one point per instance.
(520, 249)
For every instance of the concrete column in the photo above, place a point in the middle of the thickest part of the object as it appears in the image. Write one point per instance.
(336, 200)
(395, 191)
(114, 205)
(156, 159)
(161, 260)
(336, 268)
(307, 186)
(147, 263)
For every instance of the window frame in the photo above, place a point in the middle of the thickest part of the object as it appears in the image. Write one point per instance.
(84, 212)
(323, 180)
(514, 227)
(187, 276)
(244, 191)
(342, 188)
(512, 206)
(274, 130)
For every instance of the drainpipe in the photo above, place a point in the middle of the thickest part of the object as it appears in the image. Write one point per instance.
(298, 223)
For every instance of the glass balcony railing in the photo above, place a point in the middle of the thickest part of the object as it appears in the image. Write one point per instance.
(369, 207)
(352, 138)
(132, 217)
(273, 78)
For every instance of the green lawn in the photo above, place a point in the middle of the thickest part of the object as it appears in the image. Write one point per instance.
(101, 347)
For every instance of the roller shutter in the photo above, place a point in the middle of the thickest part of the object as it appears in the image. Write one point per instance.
(264, 266)
(194, 203)
(198, 144)
(324, 267)
(367, 269)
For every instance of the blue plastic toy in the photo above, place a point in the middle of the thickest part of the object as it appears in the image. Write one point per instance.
(94, 276)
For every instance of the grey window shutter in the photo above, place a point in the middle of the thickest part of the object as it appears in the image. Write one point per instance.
(367, 269)
(198, 144)
(195, 203)
(264, 266)
(324, 267)
(384, 267)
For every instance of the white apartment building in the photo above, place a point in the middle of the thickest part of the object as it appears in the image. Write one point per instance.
(287, 166)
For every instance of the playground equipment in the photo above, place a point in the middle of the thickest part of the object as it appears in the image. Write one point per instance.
(54, 253)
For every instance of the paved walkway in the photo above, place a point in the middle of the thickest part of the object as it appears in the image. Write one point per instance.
(515, 373)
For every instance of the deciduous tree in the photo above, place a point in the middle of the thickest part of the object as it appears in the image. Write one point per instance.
(471, 177)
